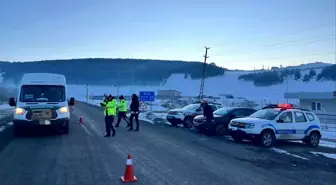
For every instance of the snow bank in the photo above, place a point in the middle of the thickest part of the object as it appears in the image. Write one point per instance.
(328, 135)
(5, 106)
(328, 155)
(287, 153)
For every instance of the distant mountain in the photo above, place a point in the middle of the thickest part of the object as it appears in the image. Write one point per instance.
(99, 71)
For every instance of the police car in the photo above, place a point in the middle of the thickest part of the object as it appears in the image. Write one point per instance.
(278, 122)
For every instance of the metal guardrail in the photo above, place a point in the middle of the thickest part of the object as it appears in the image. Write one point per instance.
(328, 122)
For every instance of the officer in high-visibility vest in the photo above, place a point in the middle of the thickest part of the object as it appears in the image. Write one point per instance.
(122, 109)
(110, 110)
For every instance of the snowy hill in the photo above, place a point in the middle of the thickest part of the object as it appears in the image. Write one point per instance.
(226, 84)
(316, 65)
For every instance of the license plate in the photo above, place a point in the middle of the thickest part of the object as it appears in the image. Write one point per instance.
(234, 128)
(42, 114)
(45, 122)
(170, 117)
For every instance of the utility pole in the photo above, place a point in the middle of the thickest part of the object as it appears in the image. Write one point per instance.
(87, 92)
(203, 72)
(287, 88)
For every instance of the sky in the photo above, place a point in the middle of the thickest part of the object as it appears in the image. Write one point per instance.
(241, 34)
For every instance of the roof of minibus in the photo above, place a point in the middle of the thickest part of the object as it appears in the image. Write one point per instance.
(43, 79)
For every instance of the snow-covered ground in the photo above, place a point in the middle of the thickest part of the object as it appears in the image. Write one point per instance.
(5, 110)
(287, 153)
(5, 106)
(329, 135)
(227, 84)
(328, 155)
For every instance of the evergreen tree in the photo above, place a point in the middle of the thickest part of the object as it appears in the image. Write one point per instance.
(297, 74)
(306, 78)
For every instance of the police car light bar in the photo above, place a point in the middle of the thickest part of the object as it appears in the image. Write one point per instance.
(285, 106)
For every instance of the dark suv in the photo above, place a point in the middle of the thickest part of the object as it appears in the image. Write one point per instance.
(222, 118)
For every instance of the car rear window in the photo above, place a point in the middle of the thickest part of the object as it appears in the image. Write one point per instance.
(310, 116)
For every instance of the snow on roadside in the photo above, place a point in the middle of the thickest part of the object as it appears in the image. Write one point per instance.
(327, 144)
(287, 153)
(5, 106)
(323, 143)
(329, 134)
(5, 110)
(328, 155)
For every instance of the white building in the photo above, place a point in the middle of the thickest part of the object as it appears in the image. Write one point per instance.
(323, 104)
(319, 102)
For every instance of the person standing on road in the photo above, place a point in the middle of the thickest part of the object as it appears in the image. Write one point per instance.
(207, 112)
(122, 109)
(134, 112)
(110, 109)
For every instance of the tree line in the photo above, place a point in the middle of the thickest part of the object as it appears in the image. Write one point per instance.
(273, 77)
(102, 71)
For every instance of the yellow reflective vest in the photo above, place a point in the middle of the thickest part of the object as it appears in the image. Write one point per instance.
(122, 107)
(110, 107)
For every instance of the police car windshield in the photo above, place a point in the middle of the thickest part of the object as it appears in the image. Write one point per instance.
(42, 93)
(268, 114)
(191, 107)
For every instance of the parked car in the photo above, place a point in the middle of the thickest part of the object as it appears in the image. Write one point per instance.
(278, 122)
(186, 115)
(222, 118)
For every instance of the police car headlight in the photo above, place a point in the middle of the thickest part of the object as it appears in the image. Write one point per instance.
(179, 113)
(19, 111)
(63, 110)
(249, 125)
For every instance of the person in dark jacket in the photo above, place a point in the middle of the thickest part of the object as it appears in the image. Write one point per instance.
(134, 112)
(122, 109)
(207, 112)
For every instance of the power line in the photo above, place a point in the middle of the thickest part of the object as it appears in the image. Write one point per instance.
(277, 58)
(203, 72)
(276, 45)
(287, 33)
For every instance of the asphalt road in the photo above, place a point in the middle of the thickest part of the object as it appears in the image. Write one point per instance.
(161, 155)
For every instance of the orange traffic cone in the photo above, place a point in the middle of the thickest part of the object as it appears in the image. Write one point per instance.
(81, 121)
(129, 176)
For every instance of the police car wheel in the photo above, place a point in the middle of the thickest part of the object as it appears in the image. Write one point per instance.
(267, 138)
(314, 139)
